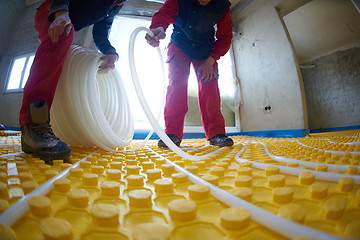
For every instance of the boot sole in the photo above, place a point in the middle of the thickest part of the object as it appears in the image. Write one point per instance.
(49, 156)
(46, 156)
(222, 144)
(25, 148)
(163, 145)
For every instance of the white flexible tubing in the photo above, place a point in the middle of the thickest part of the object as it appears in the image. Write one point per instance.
(59, 119)
(69, 128)
(350, 143)
(160, 132)
(331, 167)
(275, 223)
(11, 154)
(326, 176)
(142, 143)
(332, 152)
(119, 125)
(93, 125)
(18, 209)
(90, 108)
(347, 143)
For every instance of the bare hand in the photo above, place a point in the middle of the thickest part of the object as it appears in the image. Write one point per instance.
(206, 70)
(110, 60)
(159, 34)
(61, 24)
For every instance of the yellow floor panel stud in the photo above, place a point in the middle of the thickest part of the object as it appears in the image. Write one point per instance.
(260, 188)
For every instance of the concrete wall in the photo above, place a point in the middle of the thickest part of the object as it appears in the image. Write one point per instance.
(267, 70)
(10, 10)
(18, 36)
(332, 88)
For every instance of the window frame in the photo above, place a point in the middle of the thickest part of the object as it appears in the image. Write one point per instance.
(20, 89)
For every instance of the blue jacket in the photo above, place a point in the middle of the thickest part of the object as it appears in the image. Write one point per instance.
(194, 26)
(83, 13)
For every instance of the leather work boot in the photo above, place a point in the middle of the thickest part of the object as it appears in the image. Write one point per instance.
(37, 136)
(173, 138)
(221, 140)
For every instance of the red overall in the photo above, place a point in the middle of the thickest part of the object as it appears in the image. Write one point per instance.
(176, 96)
(179, 69)
(47, 66)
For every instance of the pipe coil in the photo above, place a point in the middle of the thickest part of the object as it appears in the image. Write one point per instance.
(90, 108)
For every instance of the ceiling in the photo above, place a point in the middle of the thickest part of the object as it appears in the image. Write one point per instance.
(316, 27)
(323, 26)
(146, 7)
(149, 7)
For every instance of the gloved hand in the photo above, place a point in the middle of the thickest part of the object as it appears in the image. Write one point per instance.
(159, 34)
(61, 24)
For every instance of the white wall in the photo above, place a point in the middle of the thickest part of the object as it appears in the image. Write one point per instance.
(267, 70)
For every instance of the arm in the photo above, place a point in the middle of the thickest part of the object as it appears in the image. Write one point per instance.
(101, 32)
(166, 15)
(223, 37)
(57, 5)
(161, 21)
(61, 24)
(59, 18)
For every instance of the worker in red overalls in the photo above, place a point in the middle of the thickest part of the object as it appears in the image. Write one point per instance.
(193, 42)
(55, 21)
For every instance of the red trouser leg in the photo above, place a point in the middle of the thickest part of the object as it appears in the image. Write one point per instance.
(176, 96)
(210, 104)
(47, 66)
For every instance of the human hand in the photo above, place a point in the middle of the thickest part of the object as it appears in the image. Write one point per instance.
(206, 70)
(61, 24)
(110, 60)
(159, 34)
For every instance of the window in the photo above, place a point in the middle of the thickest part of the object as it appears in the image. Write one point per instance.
(19, 72)
(149, 69)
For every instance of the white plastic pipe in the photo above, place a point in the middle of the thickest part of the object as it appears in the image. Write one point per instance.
(18, 209)
(160, 132)
(331, 167)
(91, 109)
(332, 152)
(326, 176)
(275, 223)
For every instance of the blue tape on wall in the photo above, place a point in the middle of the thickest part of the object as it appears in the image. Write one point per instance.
(12, 128)
(270, 133)
(292, 133)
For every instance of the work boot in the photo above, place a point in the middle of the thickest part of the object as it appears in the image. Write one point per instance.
(221, 140)
(173, 138)
(37, 136)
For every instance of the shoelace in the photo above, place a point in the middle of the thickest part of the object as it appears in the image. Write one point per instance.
(45, 131)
